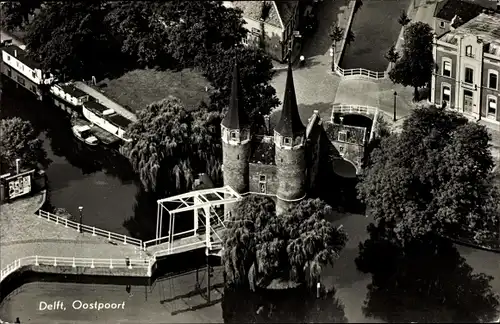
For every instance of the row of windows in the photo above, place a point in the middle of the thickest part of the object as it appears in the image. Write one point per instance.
(491, 101)
(21, 67)
(469, 74)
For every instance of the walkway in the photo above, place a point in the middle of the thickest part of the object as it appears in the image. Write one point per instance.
(315, 86)
(106, 101)
(23, 234)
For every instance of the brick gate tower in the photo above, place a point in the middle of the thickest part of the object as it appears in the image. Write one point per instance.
(290, 159)
(236, 137)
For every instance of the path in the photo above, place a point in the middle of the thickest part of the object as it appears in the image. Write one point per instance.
(314, 85)
(23, 234)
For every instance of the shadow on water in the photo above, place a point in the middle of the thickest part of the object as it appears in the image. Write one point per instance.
(281, 306)
(427, 282)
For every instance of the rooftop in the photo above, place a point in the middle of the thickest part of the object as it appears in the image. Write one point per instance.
(263, 150)
(485, 26)
(279, 11)
(72, 91)
(21, 55)
(119, 120)
(446, 10)
(95, 106)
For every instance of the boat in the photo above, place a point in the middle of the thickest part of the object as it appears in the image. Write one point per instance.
(84, 134)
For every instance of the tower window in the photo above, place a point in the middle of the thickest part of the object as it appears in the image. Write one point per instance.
(233, 135)
(287, 141)
(342, 136)
(262, 178)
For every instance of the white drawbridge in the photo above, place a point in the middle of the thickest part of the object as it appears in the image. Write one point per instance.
(208, 219)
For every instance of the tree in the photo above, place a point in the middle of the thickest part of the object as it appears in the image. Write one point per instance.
(72, 39)
(256, 72)
(141, 31)
(416, 64)
(198, 29)
(19, 141)
(173, 145)
(261, 247)
(392, 55)
(350, 38)
(336, 34)
(16, 14)
(403, 19)
(442, 186)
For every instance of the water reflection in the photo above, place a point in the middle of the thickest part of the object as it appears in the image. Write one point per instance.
(281, 306)
(426, 282)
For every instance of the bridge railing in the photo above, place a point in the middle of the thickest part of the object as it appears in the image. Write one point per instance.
(38, 260)
(359, 71)
(353, 109)
(95, 231)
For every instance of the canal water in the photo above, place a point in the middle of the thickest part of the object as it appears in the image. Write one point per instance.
(96, 178)
(375, 27)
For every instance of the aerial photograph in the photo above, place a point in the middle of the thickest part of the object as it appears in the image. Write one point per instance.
(290, 161)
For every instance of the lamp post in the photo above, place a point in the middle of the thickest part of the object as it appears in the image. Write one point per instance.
(333, 59)
(395, 95)
(80, 209)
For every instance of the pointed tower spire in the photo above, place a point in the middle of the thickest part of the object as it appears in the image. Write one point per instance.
(290, 123)
(236, 117)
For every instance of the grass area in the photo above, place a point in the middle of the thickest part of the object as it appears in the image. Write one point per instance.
(139, 88)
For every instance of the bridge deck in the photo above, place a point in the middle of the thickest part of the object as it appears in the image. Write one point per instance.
(186, 244)
(23, 234)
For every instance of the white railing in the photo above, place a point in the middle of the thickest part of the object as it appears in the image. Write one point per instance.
(359, 71)
(353, 109)
(90, 229)
(38, 260)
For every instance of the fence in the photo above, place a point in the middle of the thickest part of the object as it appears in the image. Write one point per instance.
(76, 262)
(90, 229)
(356, 109)
(359, 71)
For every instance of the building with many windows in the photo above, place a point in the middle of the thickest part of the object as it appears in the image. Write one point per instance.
(467, 71)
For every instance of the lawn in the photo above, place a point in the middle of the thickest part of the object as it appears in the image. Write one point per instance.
(375, 27)
(137, 89)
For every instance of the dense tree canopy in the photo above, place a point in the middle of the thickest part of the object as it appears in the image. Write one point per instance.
(19, 141)
(199, 29)
(141, 32)
(435, 177)
(71, 38)
(255, 75)
(415, 66)
(170, 145)
(16, 14)
(260, 246)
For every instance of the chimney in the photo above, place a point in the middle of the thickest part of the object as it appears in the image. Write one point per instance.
(267, 123)
(15, 53)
